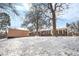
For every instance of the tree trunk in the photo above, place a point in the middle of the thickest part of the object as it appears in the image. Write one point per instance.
(53, 19)
(37, 32)
(54, 23)
(37, 27)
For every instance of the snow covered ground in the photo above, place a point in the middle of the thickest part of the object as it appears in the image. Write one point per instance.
(41, 46)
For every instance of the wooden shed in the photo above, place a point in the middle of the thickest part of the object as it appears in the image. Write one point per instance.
(15, 32)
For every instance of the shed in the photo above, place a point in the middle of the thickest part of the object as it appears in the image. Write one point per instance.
(17, 32)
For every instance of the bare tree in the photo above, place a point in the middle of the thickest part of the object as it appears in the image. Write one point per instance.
(35, 18)
(9, 7)
(49, 12)
(4, 20)
(73, 27)
(4, 23)
(56, 8)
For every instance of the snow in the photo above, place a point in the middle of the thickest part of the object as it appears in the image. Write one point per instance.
(19, 28)
(41, 46)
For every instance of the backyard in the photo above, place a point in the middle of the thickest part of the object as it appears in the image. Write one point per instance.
(41, 46)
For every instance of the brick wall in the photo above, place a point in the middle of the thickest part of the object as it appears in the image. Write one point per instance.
(17, 33)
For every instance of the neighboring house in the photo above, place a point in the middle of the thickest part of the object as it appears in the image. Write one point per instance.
(71, 31)
(20, 32)
(42, 32)
(48, 32)
(62, 32)
(17, 32)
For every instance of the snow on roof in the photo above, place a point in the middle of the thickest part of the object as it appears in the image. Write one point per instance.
(18, 28)
(22, 28)
(45, 29)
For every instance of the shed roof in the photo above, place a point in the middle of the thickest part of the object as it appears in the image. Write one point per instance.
(19, 28)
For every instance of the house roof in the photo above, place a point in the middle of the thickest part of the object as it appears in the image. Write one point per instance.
(19, 28)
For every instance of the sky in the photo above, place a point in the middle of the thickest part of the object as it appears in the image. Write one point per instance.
(69, 15)
(16, 21)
